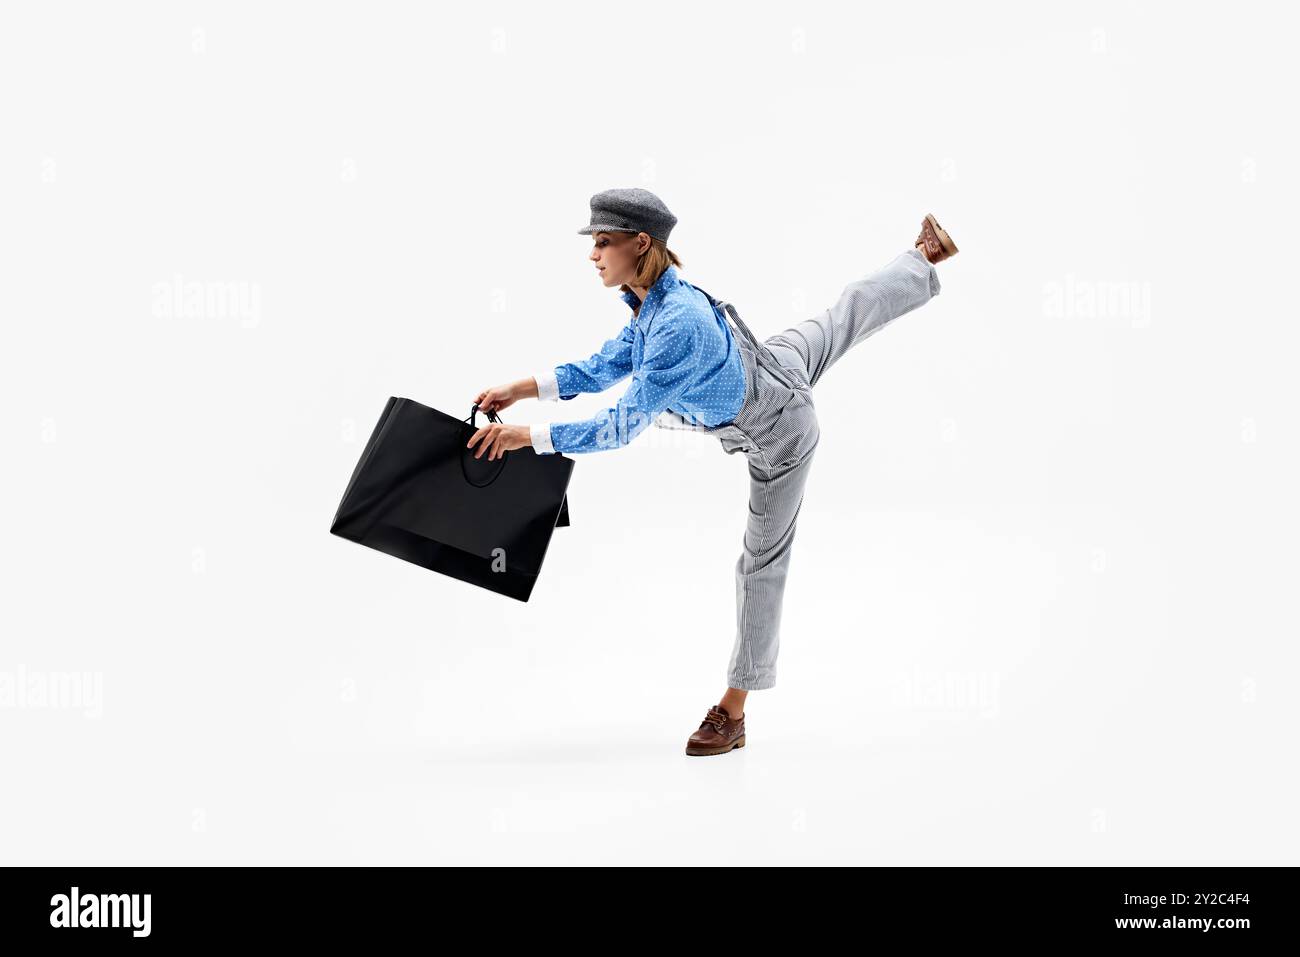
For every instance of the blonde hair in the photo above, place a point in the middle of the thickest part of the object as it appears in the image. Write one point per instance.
(651, 264)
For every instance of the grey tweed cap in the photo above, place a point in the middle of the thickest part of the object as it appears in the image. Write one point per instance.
(630, 210)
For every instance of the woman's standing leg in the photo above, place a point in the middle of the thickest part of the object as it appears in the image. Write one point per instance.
(775, 497)
(789, 438)
(865, 307)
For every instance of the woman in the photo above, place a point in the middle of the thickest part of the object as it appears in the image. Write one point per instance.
(691, 370)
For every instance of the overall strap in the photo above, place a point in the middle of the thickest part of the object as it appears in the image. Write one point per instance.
(760, 350)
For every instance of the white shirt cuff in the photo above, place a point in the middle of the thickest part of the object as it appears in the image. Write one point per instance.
(541, 436)
(548, 387)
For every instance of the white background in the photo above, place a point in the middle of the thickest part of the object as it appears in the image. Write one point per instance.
(1041, 604)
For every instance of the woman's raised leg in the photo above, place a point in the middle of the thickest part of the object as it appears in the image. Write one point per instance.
(865, 307)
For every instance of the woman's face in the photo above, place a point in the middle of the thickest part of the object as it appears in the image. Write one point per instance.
(616, 255)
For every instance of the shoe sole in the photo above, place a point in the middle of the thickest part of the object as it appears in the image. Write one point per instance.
(945, 240)
(738, 743)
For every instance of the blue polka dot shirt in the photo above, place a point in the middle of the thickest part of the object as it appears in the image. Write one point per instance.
(681, 355)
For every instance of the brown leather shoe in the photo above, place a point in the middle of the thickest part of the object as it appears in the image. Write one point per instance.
(935, 244)
(718, 733)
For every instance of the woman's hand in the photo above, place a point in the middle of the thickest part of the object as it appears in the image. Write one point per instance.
(499, 438)
(504, 396)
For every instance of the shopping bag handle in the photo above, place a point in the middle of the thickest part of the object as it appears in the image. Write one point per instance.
(472, 418)
(465, 453)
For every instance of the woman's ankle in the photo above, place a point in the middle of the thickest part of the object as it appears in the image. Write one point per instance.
(733, 699)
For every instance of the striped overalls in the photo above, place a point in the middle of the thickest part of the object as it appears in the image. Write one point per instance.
(778, 432)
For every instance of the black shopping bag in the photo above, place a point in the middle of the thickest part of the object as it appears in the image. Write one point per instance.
(420, 495)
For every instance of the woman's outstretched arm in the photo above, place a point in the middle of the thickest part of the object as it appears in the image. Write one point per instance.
(611, 364)
(666, 372)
